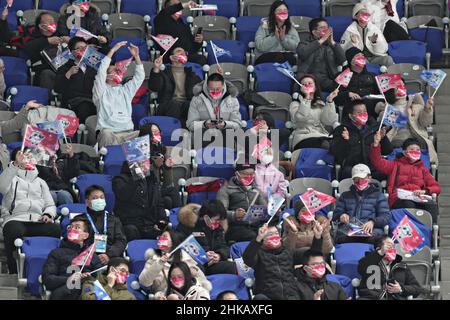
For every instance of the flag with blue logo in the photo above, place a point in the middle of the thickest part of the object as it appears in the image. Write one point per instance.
(194, 249)
(81, 32)
(285, 68)
(55, 127)
(100, 292)
(243, 270)
(395, 118)
(92, 58)
(61, 58)
(219, 52)
(433, 77)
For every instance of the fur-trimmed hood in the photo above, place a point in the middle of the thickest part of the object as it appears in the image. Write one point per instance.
(188, 215)
(229, 89)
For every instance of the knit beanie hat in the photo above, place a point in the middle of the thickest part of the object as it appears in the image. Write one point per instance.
(351, 53)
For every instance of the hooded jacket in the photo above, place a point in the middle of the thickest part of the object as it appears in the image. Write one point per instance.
(26, 197)
(117, 292)
(366, 205)
(378, 49)
(202, 107)
(404, 175)
(308, 286)
(399, 271)
(269, 175)
(379, 13)
(266, 41)
(419, 119)
(311, 119)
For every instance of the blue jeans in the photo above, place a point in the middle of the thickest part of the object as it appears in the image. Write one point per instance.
(61, 197)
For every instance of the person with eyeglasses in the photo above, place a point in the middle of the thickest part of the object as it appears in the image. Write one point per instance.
(75, 81)
(62, 273)
(310, 271)
(113, 281)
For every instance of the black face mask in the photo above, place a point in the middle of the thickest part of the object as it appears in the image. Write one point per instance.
(390, 95)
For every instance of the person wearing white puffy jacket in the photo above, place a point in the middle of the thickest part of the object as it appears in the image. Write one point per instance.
(367, 37)
(27, 208)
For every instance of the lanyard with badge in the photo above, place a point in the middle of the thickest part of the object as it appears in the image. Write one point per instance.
(100, 239)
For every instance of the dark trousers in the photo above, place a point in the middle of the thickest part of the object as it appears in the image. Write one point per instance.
(171, 197)
(228, 267)
(175, 108)
(279, 57)
(64, 293)
(394, 32)
(84, 110)
(323, 143)
(132, 232)
(18, 229)
(431, 207)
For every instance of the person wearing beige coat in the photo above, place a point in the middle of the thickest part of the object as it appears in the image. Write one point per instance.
(420, 116)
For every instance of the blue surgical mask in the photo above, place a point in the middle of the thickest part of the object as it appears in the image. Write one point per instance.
(98, 204)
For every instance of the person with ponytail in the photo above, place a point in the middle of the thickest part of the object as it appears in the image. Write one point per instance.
(384, 275)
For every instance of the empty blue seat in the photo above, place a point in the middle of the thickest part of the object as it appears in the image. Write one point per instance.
(228, 282)
(268, 78)
(137, 293)
(237, 249)
(114, 160)
(344, 282)
(225, 8)
(16, 71)
(141, 7)
(173, 217)
(167, 125)
(13, 145)
(434, 38)
(215, 162)
(198, 69)
(401, 8)
(307, 167)
(27, 93)
(246, 28)
(408, 51)
(339, 25)
(307, 8)
(347, 257)
(139, 112)
(53, 5)
(236, 50)
(374, 68)
(136, 251)
(123, 53)
(86, 180)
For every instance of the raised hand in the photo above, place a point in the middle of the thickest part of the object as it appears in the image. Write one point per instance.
(345, 134)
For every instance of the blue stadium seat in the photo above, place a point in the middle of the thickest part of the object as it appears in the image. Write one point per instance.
(236, 48)
(17, 5)
(13, 145)
(139, 112)
(246, 28)
(339, 25)
(86, 180)
(307, 167)
(374, 68)
(173, 217)
(425, 156)
(225, 8)
(200, 196)
(16, 71)
(268, 78)
(408, 51)
(216, 162)
(136, 252)
(344, 282)
(133, 277)
(237, 249)
(36, 250)
(114, 160)
(27, 93)
(53, 5)
(141, 7)
(123, 53)
(347, 256)
(198, 69)
(243, 108)
(307, 8)
(434, 38)
(73, 208)
(167, 124)
(401, 8)
(225, 282)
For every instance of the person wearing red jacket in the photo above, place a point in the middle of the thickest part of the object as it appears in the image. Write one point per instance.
(406, 172)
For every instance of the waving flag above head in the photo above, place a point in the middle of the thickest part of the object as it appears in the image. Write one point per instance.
(82, 33)
(165, 41)
(344, 78)
(284, 68)
(84, 258)
(433, 77)
(92, 58)
(38, 138)
(219, 52)
(387, 81)
(55, 127)
(137, 153)
(194, 249)
(395, 118)
(262, 147)
(123, 65)
(315, 200)
(410, 238)
(70, 124)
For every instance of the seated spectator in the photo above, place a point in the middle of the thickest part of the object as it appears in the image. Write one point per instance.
(227, 295)
(384, 275)
(174, 85)
(237, 197)
(58, 273)
(420, 116)
(276, 38)
(361, 85)
(311, 116)
(300, 230)
(407, 172)
(169, 22)
(273, 265)
(214, 105)
(16, 124)
(162, 166)
(87, 18)
(367, 37)
(44, 37)
(113, 100)
(139, 205)
(75, 82)
(108, 232)
(159, 261)
(27, 207)
(311, 279)
(114, 281)
(352, 139)
(58, 176)
(207, 225)
(364, 203)
(181, 285)
(2, 80)
(385, 17)
(320, 55)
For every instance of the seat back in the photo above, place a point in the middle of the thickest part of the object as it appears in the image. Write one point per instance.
(214, 27)
(114, 160)
(225, 282)
(408, 51)
(268, 78)
(309, 8)
(148, 66)
(307, 166)
(410, 73)
(423, 255)
(233, 51)
(341, 7)
(136, 252)
(86, 180)
(426, 7)
(237, 249)
(432, 36)
(77, 148)
(235, 73)
(105, 6)
(301, 24)
(54, 5)
(422, 271)
(301, 185)
(127, 25)
(27, 93)
(29, 16)
(247, 27)
(257, 7)
(347, 256)
(225, 8)
(344, 282)
(216, 162)
(339, 25)
(167, 124)
(140, 7)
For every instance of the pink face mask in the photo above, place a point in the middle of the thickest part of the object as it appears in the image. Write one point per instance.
(360, 62)
(309, 88)
(84, 6)
(79, 54)
(51, 27)
(364, 18)
(116, 78)
(246, 180)
(282, 16)
(73, 235)
(182, 58)
(361, 184)
(163, 243)
(361, 118)
(214, 225)
(318, 271)
(401, 91)
(177, 282)
(390, 255)
(156, 137)
(215, 94)
(323, 32)
(121, 277)
(413, 155)
(273, 242)
(306, 217)
(177, 14)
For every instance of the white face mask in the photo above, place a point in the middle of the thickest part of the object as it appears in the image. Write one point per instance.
(266, 158)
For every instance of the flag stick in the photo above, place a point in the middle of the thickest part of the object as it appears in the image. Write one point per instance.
(99, 269)
(313, 214)
(214, 52)
(23, 142)
(82, 57)
(290, 76)
(85, 260)
(181, 244)
(176, 39)
(339, 86)
(385, 109)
